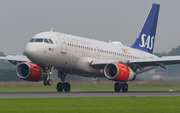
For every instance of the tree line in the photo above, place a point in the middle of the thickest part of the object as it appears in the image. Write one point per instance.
(172, 70)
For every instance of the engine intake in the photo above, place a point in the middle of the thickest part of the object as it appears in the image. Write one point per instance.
(119, 72)
(30, 72)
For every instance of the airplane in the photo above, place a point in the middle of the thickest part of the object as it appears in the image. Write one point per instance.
(86, 57)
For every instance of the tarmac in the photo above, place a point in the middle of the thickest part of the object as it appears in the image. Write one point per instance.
(88, 94)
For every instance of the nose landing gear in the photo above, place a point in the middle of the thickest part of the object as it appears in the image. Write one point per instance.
(47, 80)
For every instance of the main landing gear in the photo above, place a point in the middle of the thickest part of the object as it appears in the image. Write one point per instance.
(47, 80)
(118, 86)
(63, 85)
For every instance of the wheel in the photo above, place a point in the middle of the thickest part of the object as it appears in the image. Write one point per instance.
(67, 87)
(59, 87)
(45, 82)
(117, 87)
(124, 87)
(49, 82)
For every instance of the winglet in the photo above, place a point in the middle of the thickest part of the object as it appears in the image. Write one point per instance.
(146, 39)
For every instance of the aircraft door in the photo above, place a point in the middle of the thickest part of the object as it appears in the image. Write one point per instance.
(63, 44)
(142, 54)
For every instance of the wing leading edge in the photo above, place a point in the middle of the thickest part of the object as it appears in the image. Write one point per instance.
(163, 61)
(14, 59)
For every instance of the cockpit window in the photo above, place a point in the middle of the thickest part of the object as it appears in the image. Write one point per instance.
(32, 40)
(46, 40)
(51, 41)
(39, 40)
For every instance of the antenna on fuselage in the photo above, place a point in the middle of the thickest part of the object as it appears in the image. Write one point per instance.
(51, 29)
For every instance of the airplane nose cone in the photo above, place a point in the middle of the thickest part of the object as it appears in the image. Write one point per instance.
(31, 51)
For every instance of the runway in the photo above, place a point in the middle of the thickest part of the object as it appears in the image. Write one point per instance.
(88, 94)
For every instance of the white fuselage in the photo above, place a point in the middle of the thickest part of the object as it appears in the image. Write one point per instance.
(73, 54)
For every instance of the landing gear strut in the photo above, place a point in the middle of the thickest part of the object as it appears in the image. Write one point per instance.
(47, 80)
(63, 85)
(118, 86)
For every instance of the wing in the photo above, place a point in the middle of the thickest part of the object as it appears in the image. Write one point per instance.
(140, 63)
(15, 59)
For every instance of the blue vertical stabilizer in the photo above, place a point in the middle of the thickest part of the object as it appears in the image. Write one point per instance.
(146, 39)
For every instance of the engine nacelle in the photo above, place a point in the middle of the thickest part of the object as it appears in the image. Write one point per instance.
(119, 72)
(30, 72)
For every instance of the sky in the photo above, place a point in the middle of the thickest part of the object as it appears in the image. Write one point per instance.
(116, 20)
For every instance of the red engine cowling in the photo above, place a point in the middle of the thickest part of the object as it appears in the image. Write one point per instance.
(119, 72)
(30, 72)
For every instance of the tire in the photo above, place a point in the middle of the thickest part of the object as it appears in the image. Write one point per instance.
(124, 87)
(117, 87)
(59, 87)
(45, 82)
(49, 82)
(67, 87)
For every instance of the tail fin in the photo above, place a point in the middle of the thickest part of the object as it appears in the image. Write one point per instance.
(146, 39)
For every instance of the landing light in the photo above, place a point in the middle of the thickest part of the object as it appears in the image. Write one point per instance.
(102, 71)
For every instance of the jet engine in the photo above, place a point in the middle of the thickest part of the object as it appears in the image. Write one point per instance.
(119, 72)
(30, 72)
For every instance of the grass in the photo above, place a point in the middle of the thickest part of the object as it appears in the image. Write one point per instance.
(88, 86)
(92, 105)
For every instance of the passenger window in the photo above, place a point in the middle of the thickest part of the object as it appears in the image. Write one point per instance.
(46, 40)
(39, 40)
(51, 41)
(32, 40)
